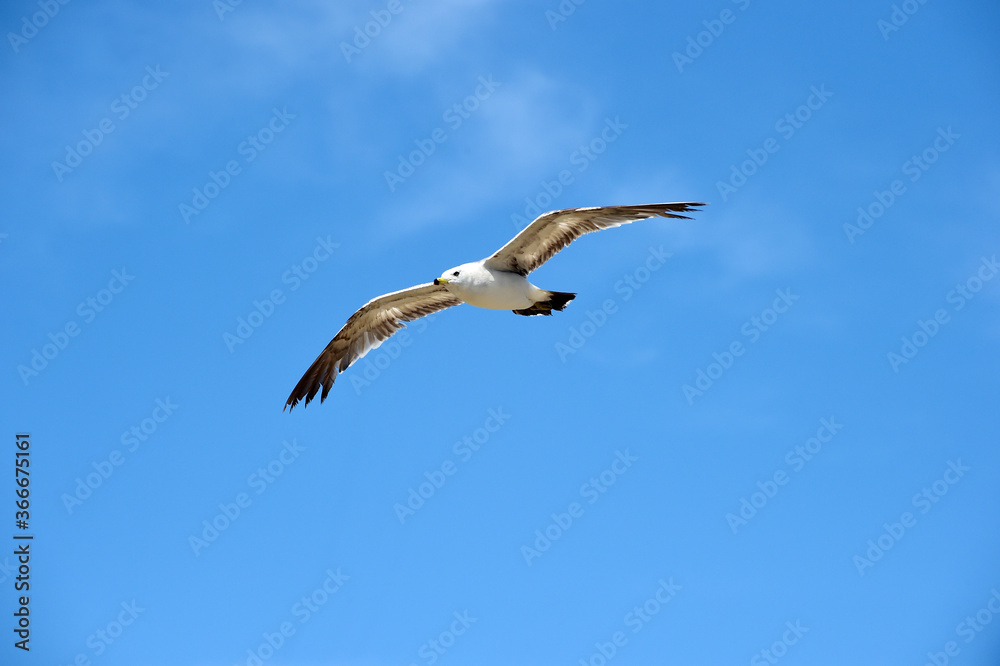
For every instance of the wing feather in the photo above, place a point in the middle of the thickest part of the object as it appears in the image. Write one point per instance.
(366, 330)
(553, 231)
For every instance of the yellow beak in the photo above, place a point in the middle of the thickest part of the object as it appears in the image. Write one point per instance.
(438, 281)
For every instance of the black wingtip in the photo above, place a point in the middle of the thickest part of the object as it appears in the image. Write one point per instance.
(674, 210)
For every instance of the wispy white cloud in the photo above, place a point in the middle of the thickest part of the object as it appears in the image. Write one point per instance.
(426, 31)
(748, 238)
(525, 130)
(375, 39)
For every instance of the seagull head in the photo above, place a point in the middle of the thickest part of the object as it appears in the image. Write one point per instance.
(457, 275)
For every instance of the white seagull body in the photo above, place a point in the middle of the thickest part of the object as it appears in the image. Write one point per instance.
(498, 282)
(478, 284)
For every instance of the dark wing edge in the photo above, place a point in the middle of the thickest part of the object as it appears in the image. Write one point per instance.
(376, 321)
(551, 232)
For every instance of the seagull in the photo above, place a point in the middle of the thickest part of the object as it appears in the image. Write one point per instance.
(498, 282)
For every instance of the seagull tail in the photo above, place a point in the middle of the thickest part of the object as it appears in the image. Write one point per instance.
(554, 300)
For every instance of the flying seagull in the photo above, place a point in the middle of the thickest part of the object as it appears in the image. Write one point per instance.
(498, 282)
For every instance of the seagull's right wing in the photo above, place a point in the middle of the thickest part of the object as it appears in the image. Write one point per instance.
(368, 328)
(551, 232)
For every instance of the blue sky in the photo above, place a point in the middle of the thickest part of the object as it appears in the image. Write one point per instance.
(766, 435)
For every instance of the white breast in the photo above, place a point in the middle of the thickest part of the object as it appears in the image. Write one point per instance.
(495, 290)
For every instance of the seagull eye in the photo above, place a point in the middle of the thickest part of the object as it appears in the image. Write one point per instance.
(455, 273)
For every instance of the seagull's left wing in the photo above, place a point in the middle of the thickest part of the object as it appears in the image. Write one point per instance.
(368, 328)
(553, 231)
